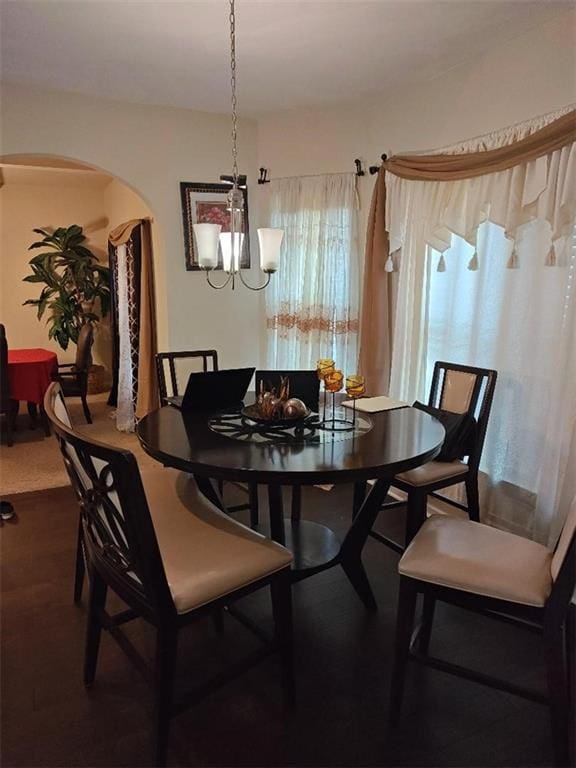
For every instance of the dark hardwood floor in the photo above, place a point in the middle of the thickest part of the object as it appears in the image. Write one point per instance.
(343, 666)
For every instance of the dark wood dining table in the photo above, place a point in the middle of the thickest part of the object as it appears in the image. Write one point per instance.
(216, 446)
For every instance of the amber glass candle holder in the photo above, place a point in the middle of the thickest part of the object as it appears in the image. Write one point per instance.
(333, 381)
(355, 388)
(324, 366)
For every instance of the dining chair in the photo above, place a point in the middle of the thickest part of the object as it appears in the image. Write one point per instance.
(209, 358)
(304, 385)
(7, 405)
(458, 389)
(73, 377)
(499, 575)
(155, 541)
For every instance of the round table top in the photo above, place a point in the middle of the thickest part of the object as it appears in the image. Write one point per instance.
(399, 440)
(30, 356)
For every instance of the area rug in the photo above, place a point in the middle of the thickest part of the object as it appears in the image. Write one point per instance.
(34, 461)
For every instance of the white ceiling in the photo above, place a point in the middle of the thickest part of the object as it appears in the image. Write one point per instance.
(291, 53)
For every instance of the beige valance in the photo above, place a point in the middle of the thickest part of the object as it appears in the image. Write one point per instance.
(532, 177)
(450, 167)
(122, 233)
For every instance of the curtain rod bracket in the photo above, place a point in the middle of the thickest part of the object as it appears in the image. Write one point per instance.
(375, 168)
(359, 169)
(263, 179)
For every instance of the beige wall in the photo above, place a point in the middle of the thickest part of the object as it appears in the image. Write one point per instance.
(152, 149)
(42, 199)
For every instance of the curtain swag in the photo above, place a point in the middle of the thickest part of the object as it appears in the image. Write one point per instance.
(533, 177)
(450, 167)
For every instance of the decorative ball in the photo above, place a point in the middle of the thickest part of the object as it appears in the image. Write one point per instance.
(294, 408)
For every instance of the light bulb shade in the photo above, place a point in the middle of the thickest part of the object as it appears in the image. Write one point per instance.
(231, 250)
(207, 244)
(270, 241)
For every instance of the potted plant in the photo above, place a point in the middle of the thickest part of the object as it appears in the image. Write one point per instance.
(76, 286)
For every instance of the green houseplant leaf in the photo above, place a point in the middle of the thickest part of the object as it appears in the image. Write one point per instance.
(76, 286)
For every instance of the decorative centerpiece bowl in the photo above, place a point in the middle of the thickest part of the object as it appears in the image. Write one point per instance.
(276, 409)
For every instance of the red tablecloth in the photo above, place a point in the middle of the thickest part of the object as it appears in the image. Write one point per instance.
(30, 373)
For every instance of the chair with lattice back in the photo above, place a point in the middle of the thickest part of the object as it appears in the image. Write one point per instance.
(168, 553)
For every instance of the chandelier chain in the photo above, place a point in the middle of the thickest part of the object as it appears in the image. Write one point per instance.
(233, 89)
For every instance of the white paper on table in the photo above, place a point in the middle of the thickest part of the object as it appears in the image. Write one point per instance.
(375, 404)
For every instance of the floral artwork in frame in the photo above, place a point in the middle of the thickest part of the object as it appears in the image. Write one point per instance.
(207, 204)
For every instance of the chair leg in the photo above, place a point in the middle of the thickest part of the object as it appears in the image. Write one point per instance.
(404, 623)
(558, 693)
(96, 601)
(570, 630)
(472, 497)
(415, 513)
(296, 509)
(253, 501)
(87, 415)
(79, 570)
(166, 649)
(281, 591)
(426, 626)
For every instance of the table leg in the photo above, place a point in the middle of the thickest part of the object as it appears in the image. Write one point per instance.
(45, 421)
(207, 489)
(32, 414)
(359, 495)
(276, 508)
(351, 551)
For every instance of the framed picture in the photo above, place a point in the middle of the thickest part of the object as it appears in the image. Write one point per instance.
(206, 203)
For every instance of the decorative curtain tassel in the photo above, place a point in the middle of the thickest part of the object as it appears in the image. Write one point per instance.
(513, 260)
(389, 266)
(473, 263)
(551, 257)
(441, 264)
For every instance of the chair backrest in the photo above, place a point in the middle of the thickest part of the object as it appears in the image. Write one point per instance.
(84, 347)
(465, 389)
(118, 532)
(209, 359)
(565, 542)
(303, 384)
(4, 382)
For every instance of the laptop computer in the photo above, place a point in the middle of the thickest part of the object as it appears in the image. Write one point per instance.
(214, 390)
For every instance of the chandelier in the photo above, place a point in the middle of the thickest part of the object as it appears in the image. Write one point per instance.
(209, 237)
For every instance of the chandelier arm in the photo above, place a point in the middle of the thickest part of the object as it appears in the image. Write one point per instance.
(213, 285)
(251, 287)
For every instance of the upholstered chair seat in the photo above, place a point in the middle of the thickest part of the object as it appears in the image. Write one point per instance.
(502, 576)
(190, 529)
(432, 472)
(472, 557)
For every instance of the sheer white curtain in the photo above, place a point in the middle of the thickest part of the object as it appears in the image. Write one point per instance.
(486, 269)
(125, 414)
(312, 303)
(522, 323)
